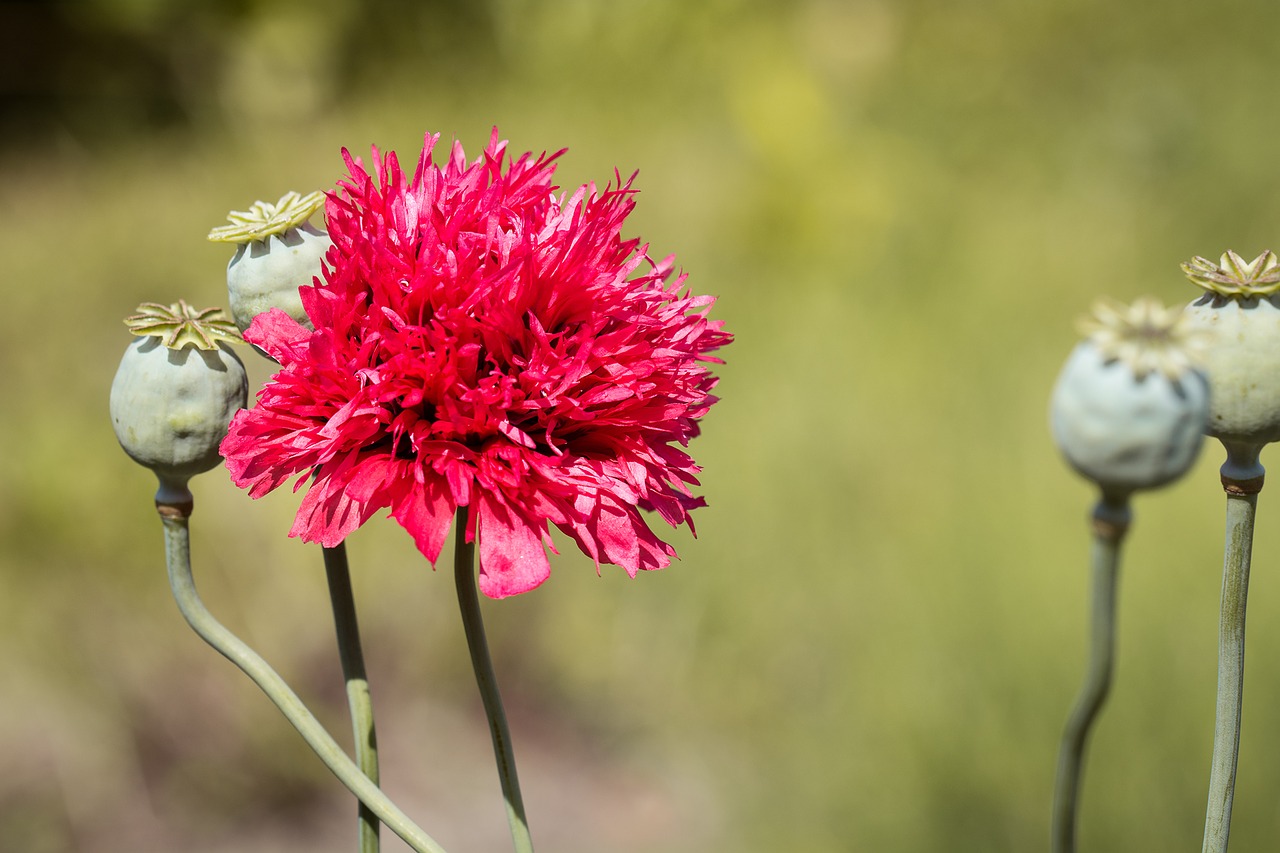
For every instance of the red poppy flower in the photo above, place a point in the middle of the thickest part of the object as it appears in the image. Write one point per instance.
(483, 342)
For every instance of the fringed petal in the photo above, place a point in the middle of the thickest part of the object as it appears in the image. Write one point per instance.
(424, 509)
(512, 559)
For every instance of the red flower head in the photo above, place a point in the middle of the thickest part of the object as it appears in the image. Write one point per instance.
(481, 342)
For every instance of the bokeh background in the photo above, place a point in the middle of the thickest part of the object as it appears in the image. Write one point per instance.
(903, 207)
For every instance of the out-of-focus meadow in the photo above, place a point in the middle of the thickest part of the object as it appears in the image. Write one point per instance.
(903, 207)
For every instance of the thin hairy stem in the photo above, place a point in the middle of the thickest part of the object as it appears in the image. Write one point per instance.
(359, 699)
(1242, 504)
(469, 604)
(1110, 522)
(178, 557)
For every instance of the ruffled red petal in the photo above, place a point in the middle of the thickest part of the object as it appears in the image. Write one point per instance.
(512, 559)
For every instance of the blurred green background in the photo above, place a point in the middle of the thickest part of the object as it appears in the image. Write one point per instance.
(903, 207)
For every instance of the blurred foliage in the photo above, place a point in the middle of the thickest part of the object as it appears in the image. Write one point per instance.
(872, 645)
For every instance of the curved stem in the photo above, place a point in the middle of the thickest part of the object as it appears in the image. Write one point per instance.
(469, 604)
(178, 557)
(1242, 504)
(1110, 522)
(359, 699)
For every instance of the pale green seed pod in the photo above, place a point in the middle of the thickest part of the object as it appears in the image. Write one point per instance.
(176, 389)
(1241, 308)
(1129, 408)
(277, 251)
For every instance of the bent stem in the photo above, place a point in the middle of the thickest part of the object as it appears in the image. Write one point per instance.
(1110, 523)
(1242, 504)
(359, 699)
(174, 511)
(469, 604)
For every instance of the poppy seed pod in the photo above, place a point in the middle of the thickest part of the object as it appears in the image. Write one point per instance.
(1129, 408)
(1241, 308)
(277, 251)
(176, 389)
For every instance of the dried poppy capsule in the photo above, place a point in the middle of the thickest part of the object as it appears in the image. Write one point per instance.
(176, 389)
(1130, 407)
(1241, 308)
(277, 251)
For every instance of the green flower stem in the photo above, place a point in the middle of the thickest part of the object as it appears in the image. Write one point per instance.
(469, 604)
(1110, 523)
(174, 512)
(353, 671)
(1242, 504)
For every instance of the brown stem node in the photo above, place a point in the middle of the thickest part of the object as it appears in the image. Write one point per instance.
(175, 509)
(1246, 486)
(1111, 517)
